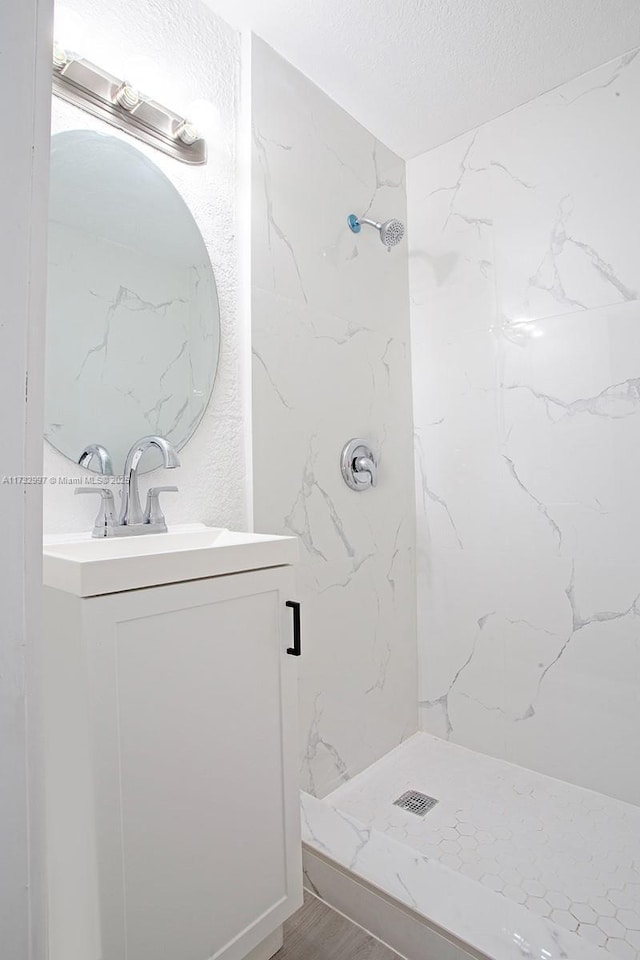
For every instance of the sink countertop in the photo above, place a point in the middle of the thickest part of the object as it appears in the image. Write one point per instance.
(88, 567)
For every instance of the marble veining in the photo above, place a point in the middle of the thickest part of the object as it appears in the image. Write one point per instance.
(526, 368)
(471, 912)
(92, 370)
(566, 857)
(563, 852)
(330, 319)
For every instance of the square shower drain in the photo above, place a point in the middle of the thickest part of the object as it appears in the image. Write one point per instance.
(415, 802)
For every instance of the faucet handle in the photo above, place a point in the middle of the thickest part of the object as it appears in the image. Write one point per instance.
(153, 513)
(365, 470)
(105, 519)
(101, 453)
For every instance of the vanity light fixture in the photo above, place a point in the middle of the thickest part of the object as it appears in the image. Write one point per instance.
(116, 101)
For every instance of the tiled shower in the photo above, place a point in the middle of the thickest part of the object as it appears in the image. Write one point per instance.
(507, 340)
(526, 350)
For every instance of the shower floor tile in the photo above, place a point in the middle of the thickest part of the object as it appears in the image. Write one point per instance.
(563, 852)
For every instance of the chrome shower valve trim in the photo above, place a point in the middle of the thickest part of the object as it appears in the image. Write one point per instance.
(359, 465)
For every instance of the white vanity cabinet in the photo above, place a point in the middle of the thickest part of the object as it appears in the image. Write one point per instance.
(173, 812)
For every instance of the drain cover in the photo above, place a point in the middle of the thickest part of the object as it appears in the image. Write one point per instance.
(415, 802)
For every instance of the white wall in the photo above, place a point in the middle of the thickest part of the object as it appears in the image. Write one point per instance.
(331, 361)
(25, 62)
(181, 54)
(526, 365)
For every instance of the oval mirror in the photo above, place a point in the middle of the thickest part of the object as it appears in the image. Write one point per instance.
(133, 322)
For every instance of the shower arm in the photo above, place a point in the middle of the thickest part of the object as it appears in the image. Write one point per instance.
(372, 223)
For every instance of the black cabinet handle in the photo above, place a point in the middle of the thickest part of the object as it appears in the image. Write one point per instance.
(296, 649)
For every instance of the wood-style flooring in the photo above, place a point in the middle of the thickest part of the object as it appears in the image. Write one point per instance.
(316, 932)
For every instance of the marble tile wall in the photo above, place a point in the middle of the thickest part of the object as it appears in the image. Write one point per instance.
(330, 318)
(524, 274)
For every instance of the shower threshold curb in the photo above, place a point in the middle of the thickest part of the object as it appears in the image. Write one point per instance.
(399, 927)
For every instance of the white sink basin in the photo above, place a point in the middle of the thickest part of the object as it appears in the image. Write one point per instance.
(86, 567)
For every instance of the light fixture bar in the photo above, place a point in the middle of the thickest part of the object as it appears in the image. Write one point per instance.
(117, 102)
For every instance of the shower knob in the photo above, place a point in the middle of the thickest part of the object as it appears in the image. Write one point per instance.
(358, 465)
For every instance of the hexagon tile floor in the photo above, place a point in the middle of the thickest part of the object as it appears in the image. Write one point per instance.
(561, 851)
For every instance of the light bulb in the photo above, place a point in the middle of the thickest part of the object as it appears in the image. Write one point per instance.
(60, 56)
(127, 96)
(70, 28)
(206, 117)
(187, 132)
(148, 75)
(75, 34)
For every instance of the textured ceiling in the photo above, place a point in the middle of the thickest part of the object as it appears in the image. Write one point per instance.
(418, 72)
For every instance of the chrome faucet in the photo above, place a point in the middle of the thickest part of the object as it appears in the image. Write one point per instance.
(131, 513)
(132, 520)
(101, 454)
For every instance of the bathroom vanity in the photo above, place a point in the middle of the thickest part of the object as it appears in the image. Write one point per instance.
(172, 799)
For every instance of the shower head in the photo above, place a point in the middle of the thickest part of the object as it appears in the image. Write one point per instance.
(391, 231)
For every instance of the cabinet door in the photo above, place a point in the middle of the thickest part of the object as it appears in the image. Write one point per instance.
(193, 722)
